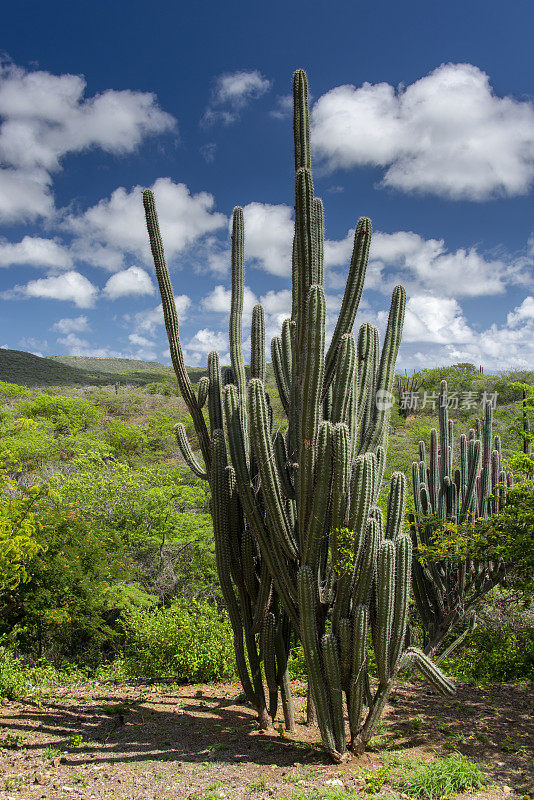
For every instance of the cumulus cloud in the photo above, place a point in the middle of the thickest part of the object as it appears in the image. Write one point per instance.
(232, 91)
(148, 320)
(116, 225)
(269, 237)
(76, 346)
(70, 286)
(427, 264)
(71, 325)
(44, 117)
(203, 342)
(448, 134)
(219, 300)
(132, 281)
(36, 252)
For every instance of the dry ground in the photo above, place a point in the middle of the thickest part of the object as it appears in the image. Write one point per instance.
(168, 742)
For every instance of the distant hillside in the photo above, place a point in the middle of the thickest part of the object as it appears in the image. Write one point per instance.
(27, 369)
(112, 365)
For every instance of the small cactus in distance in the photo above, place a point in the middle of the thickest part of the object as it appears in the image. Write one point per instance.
(447, 589)
(301, 543)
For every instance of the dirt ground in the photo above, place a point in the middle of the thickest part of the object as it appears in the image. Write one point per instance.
(163, 742)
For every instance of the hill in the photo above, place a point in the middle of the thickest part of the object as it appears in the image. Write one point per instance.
(27, 369)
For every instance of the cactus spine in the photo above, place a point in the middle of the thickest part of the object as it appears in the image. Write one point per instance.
(448, 589)
(299, 537)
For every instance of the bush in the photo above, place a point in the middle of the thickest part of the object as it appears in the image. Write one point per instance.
(13, 677)
(192, 642)
(71, 414)
(491, 657)
(9, 391)
(165, 388)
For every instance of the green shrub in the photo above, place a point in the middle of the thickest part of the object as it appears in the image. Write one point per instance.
(189, 641)
(69, 414)
(443, 778)
(165, 388)
(13, 676)
(10, 391)
(492, 657)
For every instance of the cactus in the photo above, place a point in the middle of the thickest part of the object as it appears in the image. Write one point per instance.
(407, 389)
(447, 589)
(299, 537)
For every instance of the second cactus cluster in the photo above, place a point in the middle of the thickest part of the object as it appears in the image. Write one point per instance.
(302, 546)
(447, 589)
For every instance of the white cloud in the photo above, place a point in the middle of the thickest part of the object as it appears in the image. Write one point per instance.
(141, 341)
(24, 195)
(434, 320)
(45, 116)
(81, 347)
(116, 225)
(447, 133)
(233, 91)
(69, 286)
(71, 324)
(203, 342)
(523, 313)
(284, 107)
(427, 265)
(219, 300)
(132, 281)
(269, 237)
(147, 321)
(35, 251)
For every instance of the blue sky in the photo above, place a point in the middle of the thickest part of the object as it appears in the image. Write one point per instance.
(423, 119)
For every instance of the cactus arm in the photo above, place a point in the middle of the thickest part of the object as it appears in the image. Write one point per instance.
(187, 453)
(214, 394)
(311, 406)
(308, 606)
(220, 506)
(268, 651)
(203, 389)
(344, 379)
(263, 450)
(172, 327)
(287, 355)
(430, 671)
(236, 307)
(403, 574)
(396, 505)
(257, 344)
(301, 121)
(385, 608)
(279, 372)
(263, 600)
(386, 369)
(318, 219)
(333, 679)
(351, 296)
(359, 668)
(311, 547)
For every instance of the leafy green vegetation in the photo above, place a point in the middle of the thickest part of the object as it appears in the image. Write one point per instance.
(443, 778)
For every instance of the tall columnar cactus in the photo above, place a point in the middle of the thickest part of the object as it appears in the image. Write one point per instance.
(448, 587)
(300, 540)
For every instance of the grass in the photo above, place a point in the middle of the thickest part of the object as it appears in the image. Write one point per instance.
(442, 778)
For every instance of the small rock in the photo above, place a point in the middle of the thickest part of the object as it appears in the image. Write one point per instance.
(334, 782)
(506, 789)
